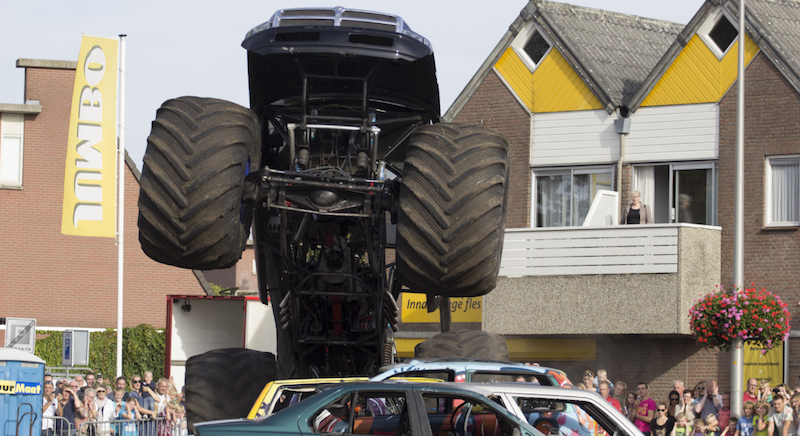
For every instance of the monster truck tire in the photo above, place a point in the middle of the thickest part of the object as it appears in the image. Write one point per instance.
(190, 201)
(452, 213)
(224, 384)
(470, 344)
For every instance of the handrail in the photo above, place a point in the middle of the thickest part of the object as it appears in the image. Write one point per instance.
(642, 249)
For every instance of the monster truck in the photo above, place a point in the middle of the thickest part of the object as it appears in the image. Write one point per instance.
(342, 141)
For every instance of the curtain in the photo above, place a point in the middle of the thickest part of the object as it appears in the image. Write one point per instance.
(553, 201)
(785, 193)
(644, 181)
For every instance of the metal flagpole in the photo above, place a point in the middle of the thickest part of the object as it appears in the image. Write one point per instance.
(121, 200)
(737, 354)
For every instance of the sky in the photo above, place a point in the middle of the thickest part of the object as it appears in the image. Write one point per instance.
(179, 47)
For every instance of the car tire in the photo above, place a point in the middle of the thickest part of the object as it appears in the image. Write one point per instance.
(452, 210)
(224, 383)
(190, 201)
(470, 344)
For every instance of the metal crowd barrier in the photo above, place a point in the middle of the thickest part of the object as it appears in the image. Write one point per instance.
(31, 418)
(117, 427)
(121, 427)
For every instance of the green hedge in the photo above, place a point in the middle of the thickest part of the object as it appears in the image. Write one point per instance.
(143, 349)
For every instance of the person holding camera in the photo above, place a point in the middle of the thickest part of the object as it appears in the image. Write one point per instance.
(783, 391)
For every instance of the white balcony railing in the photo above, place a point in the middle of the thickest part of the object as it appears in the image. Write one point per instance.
(591, 250)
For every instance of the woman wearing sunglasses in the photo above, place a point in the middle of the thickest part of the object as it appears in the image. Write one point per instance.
(663, 423)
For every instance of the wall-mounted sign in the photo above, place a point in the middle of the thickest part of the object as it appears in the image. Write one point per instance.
(20, 388)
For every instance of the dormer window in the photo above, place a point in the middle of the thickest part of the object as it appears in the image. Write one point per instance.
(531, 45)
(723, 34)
(719, 33)
(536, 47)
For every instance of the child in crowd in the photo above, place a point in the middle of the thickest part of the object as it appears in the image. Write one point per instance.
(764, 392)
(681, 427)
(178, 421)
(744, 427)
(120, 406)
(712, 425)
(699, 427)
(761, 420)
(730, 430)
(602, 376)
(130, 412)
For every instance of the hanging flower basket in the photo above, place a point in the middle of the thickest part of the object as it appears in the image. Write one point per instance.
(757, 316)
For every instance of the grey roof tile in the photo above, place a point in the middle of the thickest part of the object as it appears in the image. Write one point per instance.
(778, 23)
(616, 50)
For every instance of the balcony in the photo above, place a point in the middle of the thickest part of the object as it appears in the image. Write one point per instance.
(602, 280)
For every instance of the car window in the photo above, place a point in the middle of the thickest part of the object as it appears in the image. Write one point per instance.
(559, 417)
(440, 374)
(365, 413)
(291, 396)
(509, 377)
(459, 416)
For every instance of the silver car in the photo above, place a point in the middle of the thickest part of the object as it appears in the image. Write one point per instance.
(561, 411)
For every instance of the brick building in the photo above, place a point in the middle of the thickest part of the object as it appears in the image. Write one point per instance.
(591, 100)
(67, 281)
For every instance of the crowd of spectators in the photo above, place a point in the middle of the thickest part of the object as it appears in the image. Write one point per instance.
(703, 411)
(90, 405)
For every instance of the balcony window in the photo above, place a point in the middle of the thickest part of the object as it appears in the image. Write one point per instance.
(783, 191)
(679, 192)
(563, 197)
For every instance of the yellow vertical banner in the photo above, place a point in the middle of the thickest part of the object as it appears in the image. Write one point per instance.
(763, 366)
(90, 171)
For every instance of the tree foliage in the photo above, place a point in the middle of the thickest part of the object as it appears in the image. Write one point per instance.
(143, 349)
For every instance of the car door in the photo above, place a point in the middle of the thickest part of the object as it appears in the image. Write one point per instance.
(459, 414)
(390, 412)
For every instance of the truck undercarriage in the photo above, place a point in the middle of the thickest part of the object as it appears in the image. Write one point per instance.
(342, 145)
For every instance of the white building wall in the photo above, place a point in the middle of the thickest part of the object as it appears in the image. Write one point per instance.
(573, 138)
(674, 133)
(658, 134)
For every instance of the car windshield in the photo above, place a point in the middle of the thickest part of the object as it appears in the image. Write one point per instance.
(557, 416)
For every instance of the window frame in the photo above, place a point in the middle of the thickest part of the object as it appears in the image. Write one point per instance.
(704, 31)
(564, 171)
(12, 126)
(785, 159)
(522, 38)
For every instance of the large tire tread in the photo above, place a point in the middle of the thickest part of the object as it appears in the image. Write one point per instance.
(451, 219)
(224, 384)
(190, 206)
(470, 344)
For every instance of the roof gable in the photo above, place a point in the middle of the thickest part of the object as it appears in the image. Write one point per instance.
(697, 76)
(553, 87)
(611, 53)
(773, 26)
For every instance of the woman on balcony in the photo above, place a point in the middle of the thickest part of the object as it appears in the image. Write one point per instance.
(637, 212)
